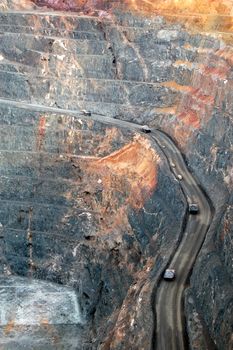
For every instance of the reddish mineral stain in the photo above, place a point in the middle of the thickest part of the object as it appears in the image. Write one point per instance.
(41, 133)
(9, 327)
(137, 162)
(177, 6)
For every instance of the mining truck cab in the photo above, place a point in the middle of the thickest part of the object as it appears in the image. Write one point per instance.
(146, 129)
(169, 274)
(193, 208)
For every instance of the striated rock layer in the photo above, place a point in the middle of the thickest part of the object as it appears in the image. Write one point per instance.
(99, 204)
(83, 205)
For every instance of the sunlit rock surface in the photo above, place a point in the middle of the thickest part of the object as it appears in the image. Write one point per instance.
(38, 315)
(96, 208)
(84, 206)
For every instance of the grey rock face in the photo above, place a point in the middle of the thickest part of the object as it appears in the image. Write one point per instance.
(58, 223)
(135, 69)
(38, 315)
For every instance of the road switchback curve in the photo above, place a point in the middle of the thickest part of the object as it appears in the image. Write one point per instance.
(170, 322)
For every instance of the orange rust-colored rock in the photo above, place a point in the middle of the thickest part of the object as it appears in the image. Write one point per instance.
(173, 6)
(137, 163)
(166, 110)
(185, 6)
(44, 322)
(227, 54)
(41, 132)
(174, 85)
(9, 327)
(208, 86)
(211, 15)
(190, 119)
(16, 4)
(196, 15)
(126, 178)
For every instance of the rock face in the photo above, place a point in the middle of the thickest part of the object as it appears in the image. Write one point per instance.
(86, 206)
(45, 315)
(96, 207)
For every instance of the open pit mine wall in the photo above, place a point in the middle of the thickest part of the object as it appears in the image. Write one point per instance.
(76, 212)
(87, 205)
(171, 72)
(202, 126)
(197, 68)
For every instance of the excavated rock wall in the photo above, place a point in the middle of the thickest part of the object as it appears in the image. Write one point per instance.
(91, 223)
(203, 127)
(92, 207)
(145, 69)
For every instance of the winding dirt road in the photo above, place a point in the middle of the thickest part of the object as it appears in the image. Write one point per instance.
(170, 331)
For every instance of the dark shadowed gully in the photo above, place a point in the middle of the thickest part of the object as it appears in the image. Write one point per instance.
(92, 212)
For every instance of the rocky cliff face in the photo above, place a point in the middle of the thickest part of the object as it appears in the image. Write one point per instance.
(113, 202)
(91, 207)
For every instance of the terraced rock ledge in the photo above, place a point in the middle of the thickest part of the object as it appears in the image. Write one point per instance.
(92, 210)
